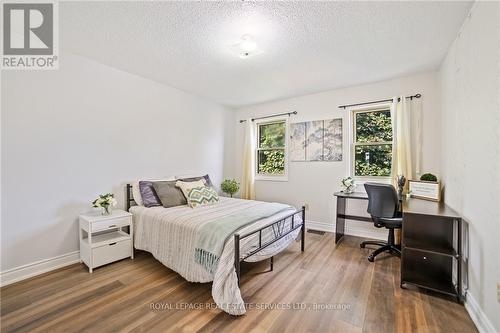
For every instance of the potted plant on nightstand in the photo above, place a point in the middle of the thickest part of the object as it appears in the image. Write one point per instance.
(106, 202)
(230, 186)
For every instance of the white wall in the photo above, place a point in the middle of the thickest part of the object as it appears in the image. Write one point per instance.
(85, 129)
(470, 139)
(315, 182)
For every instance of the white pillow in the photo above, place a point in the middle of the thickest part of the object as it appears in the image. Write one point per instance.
(186, 186)
(136, 192)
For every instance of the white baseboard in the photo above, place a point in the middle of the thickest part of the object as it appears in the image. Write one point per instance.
(368, 232)
(320, 226)
(477, 315)
(26, 271)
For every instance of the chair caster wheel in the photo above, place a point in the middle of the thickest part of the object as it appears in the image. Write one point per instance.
(371, 258)
(362, 245)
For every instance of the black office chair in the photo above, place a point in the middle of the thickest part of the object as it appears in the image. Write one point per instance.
(383, 206)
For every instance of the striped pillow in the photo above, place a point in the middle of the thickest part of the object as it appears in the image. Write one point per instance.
(200, 196)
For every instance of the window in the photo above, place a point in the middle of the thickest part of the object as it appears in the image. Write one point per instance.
(271, 150)
(372, 143)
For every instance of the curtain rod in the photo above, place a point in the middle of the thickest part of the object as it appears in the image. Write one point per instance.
(381, 101)
(271, 116)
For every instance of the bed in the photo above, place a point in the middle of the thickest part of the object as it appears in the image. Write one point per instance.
(171, 236)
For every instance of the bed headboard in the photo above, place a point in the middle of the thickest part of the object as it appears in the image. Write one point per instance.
(129, 197)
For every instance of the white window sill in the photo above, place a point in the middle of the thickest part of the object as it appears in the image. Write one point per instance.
(360, 182)
(272, 178)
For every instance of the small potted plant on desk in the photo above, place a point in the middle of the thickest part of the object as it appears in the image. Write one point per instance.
(230, 186)
(428, 188)
(348, 185)
(428, 177)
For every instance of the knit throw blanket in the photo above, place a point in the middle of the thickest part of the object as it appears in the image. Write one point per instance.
(215, 234)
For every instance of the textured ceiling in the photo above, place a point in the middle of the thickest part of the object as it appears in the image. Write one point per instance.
(307, 47)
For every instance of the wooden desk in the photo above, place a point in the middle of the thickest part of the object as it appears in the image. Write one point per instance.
(431, 247)
(431, 251)
(341, 216)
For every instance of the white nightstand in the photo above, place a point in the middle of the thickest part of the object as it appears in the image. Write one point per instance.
(103, 239)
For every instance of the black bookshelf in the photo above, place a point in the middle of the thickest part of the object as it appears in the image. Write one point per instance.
(431, 255)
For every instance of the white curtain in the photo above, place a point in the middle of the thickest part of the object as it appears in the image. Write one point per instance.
(406, 125)
(248, 177)
(416, 118)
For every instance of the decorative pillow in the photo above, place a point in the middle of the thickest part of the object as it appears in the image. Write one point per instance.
(186, 186)
(136, 191)
(201, 196)
(148, 194)
(208, 182)
(169, 194)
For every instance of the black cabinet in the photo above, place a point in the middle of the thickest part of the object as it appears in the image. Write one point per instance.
(431, 247)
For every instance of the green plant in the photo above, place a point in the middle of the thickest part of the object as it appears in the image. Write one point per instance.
(230, 186)
(348, 185)
(105, 201)
(428, 177)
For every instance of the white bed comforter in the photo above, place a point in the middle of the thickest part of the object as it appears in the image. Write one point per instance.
(170, 234)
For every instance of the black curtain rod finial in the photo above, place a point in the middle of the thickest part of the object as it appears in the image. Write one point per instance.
(271, 116)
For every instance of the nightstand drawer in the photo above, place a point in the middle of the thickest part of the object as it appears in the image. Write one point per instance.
(112, 252)
(110, 223)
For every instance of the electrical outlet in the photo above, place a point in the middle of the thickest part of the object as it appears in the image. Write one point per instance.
(306, 205)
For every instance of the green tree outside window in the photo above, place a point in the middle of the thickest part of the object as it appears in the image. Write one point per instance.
(372, 143)
(271, 148)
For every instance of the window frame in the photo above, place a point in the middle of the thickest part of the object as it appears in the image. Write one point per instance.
(353, 144)
(270, 177)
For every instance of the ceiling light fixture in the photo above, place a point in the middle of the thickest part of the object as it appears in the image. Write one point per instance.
(248, 44)
(245, 47)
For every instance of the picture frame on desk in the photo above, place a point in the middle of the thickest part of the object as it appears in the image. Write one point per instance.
(426, 190)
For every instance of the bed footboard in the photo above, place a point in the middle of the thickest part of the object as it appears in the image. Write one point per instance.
(294, 226)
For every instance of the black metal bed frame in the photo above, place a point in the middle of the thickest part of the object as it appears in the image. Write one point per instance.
(129, 198)
(278, 225)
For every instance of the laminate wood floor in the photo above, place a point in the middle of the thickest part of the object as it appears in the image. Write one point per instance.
(142, 295)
